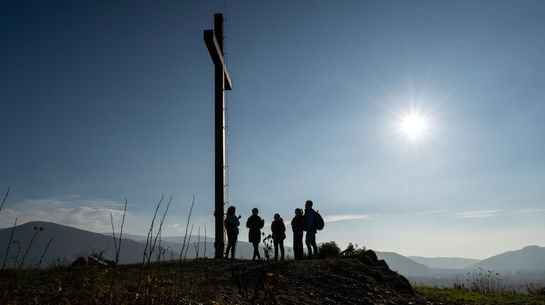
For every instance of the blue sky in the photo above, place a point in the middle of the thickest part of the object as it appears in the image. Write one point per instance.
(102, 101)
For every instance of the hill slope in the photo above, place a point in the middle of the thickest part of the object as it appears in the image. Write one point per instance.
(529, 259)
(404, 265)
(445, 262)
(68, 243)
(363, 280)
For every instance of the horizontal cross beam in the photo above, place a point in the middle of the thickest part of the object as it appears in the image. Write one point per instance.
(217, 55)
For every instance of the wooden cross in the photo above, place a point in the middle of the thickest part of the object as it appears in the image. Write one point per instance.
(214, 43)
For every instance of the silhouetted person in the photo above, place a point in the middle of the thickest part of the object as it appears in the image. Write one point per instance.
(310, 238)
(255, 224)
(278, 234)
(231, 226)
(298, 225)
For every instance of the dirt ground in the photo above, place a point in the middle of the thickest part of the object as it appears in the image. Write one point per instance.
(319, 281)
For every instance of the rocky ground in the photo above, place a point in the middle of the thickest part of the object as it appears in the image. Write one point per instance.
(336, 281)
(362, 280)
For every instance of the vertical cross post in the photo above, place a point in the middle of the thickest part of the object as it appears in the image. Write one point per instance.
(214, 43)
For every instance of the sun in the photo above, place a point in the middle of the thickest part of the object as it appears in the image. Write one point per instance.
(414, 125)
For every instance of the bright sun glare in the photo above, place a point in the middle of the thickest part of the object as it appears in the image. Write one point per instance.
(414, 126)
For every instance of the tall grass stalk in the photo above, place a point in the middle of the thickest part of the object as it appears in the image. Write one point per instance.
(148, 240)
(197, 247)
(45, 251)
(150, 231)
(486, 281)
(9, 244)
(152, 248)
(187, 225)
(159, 248)
(117, 245)
(113, 230)
(121, 233)
(36, 231)
(188, 241)
(5, 197)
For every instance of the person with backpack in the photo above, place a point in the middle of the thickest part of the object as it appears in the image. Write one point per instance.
(278, 234)
(310, 238)
(231, 224)
(255, 224)
(298, 225)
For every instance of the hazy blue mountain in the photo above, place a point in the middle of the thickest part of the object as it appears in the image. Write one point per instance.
(69, 243)
(445, 262)
(404, 265)
(174, 243)
(527, 259)
(172, 239)
(244, 249)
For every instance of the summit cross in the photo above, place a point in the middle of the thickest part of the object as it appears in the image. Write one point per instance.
(214, 43)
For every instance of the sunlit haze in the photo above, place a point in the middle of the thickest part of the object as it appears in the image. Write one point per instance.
(415, 126)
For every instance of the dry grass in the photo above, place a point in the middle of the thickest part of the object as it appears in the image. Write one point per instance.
(333, 281)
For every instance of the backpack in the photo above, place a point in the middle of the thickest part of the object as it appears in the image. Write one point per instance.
(227, 224)
(318, 221)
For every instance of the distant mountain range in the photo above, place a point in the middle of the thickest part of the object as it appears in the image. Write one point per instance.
(171, 239)
(445, 262)
(69, 243)
(517, 268)
(530, 259)
(404, 265)
(527, 259)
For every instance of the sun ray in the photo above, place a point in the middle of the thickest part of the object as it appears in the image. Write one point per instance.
(414, 126)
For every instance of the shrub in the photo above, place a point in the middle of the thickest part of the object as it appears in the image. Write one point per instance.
(458, 283)
(485, 281)
(358, 252)
(328, 250)
(532, 289)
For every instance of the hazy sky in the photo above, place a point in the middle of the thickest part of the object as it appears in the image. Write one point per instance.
(102, 100)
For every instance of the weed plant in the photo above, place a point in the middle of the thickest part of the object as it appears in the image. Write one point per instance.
(328, 250)
(485, 281)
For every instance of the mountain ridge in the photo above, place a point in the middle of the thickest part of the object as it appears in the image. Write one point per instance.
(445, 262)
(527, 259)
(71, 242)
